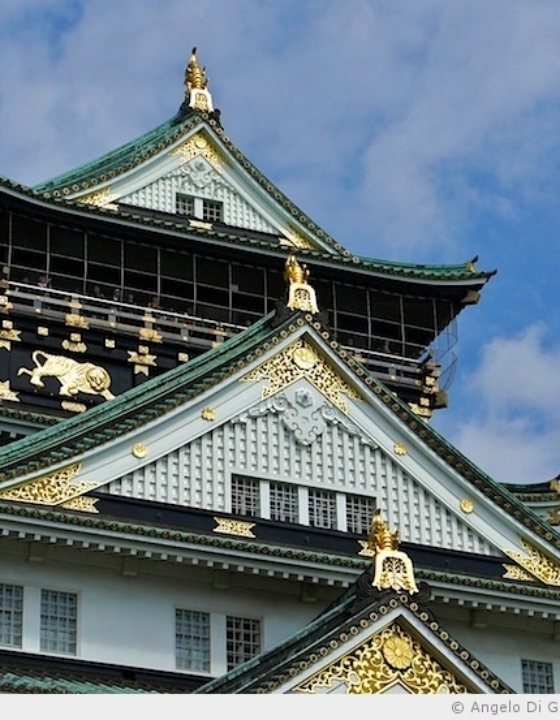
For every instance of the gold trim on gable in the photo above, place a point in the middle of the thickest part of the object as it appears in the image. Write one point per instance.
(52, 489)
(535, 563)
(199, 145)
(390, 658)
(301, 360)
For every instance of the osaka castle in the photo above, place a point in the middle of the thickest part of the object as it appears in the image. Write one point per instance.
(218, 472)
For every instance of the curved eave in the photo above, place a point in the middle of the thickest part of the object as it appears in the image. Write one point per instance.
(158, 396)
(92, 176)
(458, 275)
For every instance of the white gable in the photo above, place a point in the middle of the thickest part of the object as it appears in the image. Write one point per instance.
(296, 429)
(197, 179)
(299, 439)
(202, 167)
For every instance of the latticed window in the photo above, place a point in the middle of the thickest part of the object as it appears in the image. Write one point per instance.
(538, 677)
(192, 640)
(59, 612)
(11, 615)
(243, 640)
(284, 502)
(359, 512)
(211, 210)
(245, 496)
(184, 205)
(322, 509)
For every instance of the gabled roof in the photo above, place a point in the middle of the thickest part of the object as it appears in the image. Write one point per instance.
(363, 644)
(101, 182)
(179, 395)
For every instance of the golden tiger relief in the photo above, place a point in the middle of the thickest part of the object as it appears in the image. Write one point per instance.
(74, 377)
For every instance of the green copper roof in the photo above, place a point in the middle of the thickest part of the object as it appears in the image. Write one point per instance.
(121, 160)
(308, 650)
(92, 175)
(164, 393)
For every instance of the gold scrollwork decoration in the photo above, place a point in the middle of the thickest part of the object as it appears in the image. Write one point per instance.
(100, 198)
(234, 527)
(536, 564)
(53, 489)
(514, 572)
(300, 360)
(82, 503)
(467, 506)
(142, 361)
(296, 240)
(208, 414)
(389, 659)
(7, 336)
(399, 448)
(199, 145)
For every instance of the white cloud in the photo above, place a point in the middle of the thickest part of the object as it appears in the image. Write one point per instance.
(511, 429)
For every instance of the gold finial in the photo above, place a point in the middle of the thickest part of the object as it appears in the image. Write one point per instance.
(294, 272)
(197, 95)
(392, 567)
(380, 537)
(301, 296)
(195, 76)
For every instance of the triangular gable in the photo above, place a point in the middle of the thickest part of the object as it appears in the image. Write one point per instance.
(393, 645)
(191, 156)
(216, 411)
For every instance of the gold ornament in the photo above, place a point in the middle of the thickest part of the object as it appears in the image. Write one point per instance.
(74, 377)
(300, 360)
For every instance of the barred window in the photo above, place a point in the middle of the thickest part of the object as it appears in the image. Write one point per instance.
(11, 615)
(243, 640)
(537, 677)
(322, 509)
(184, 205)
(284, 502)
(211, 210)
(192, 640)
(59, 612)
(245, 496)
(359, 512)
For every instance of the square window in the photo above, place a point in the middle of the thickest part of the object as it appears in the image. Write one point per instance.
(322, 509)
(245, 496)
(11, 615)
(359, 513)
(59, 611)
(192, 640)
(243, 640)
(284, 502)
(211, 210)
(184, 205)
(537, 676)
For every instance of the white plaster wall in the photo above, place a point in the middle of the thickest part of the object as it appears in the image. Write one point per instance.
(131, 620)
(502, 648)
(341, 458)
(203, 182)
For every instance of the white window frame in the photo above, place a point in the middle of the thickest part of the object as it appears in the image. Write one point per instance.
(192, 640)
(11, 615)
(243, 646)
(537, 677)
(59, 622)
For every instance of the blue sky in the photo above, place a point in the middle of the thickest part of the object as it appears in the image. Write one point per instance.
(411, 130)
